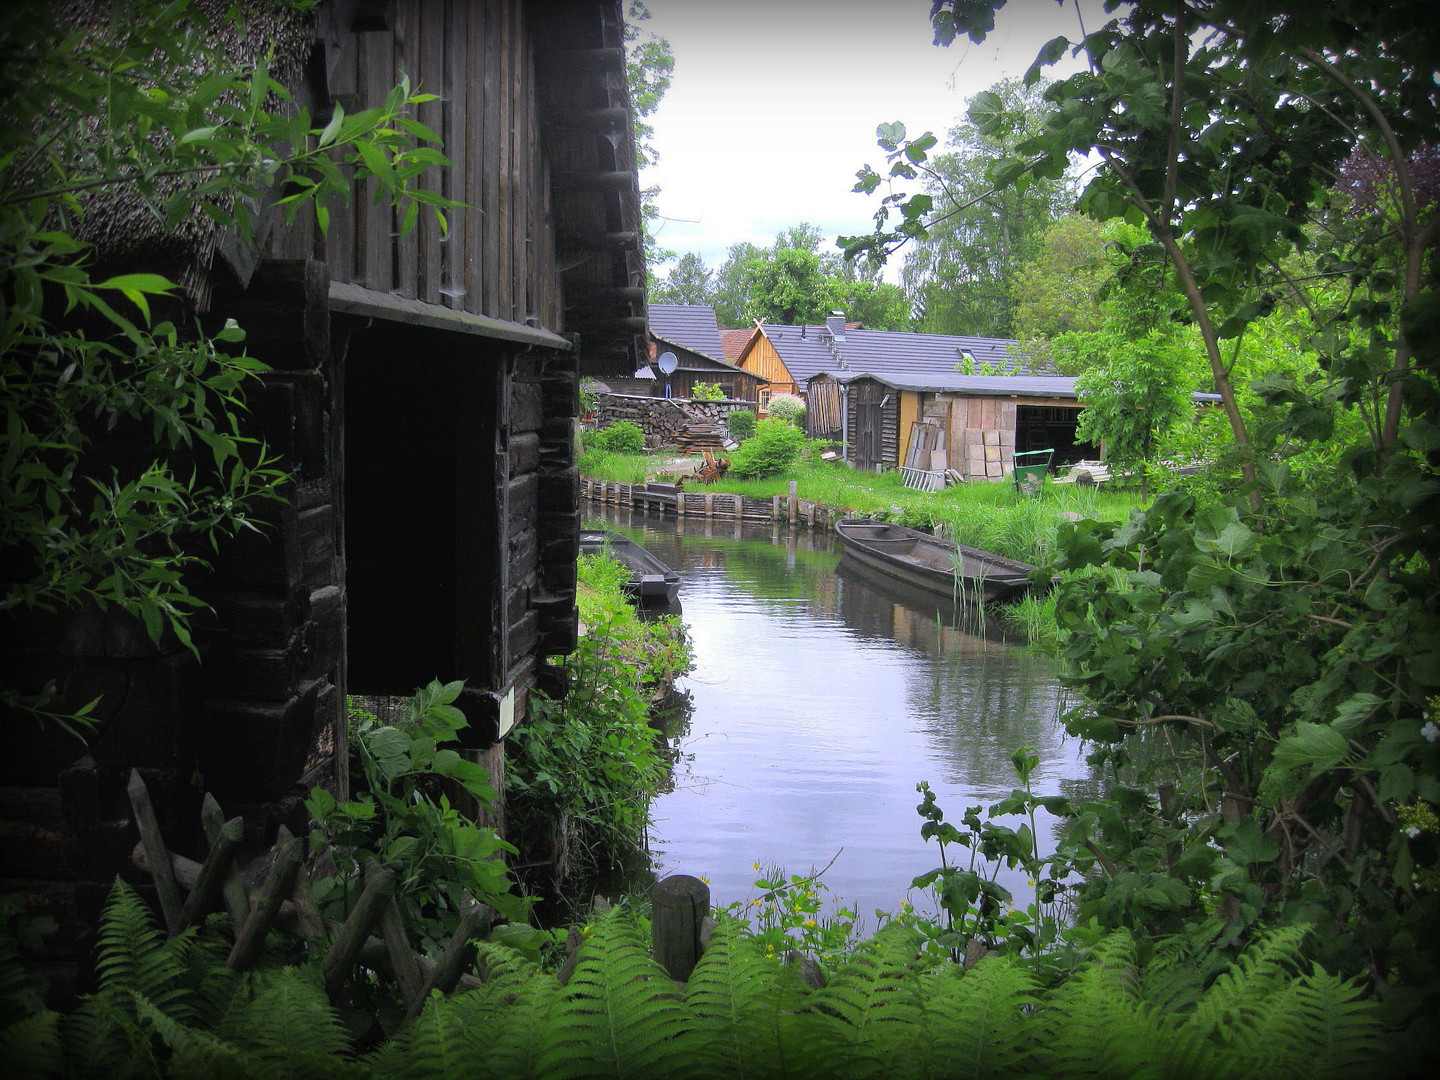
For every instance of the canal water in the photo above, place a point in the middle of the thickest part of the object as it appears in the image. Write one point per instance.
(820, 696)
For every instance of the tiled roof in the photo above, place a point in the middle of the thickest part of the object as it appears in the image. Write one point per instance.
(886, 353)
(691, 326)
(734, 342)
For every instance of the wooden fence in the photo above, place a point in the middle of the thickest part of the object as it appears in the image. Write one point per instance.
(373, 936)
(664, 498)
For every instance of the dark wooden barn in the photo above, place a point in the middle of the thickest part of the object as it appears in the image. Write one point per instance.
(422, 396)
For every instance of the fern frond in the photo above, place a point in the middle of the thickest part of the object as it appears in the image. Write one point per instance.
(511, 1009)
(444, 1040)
(620, 1016)
(19, 998)
(103, 1038)
(1179, 969)
(1314, 1026)
(1265, 966)
(1097, 1023)
(978, 1019)
(865, 1022)
(733, 994)
(288, 1026)
(133, 957)
(31, 1047)
(194, 1052)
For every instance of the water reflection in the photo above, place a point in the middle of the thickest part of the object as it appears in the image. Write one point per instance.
(820, 696)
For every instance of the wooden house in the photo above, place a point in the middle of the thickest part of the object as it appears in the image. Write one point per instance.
(972, 424)
(422, 396)
(689, 332)
(787, 356)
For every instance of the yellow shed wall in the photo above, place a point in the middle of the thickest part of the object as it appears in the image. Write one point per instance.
(909, 413)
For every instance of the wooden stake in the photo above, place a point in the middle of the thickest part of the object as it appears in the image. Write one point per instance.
(379, 884)
(212, 875)
(154, 842)
(402, 960)
(289, 853)
(237, 901)
(475, 922)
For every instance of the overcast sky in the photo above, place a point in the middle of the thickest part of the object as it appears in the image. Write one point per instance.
(774, 105)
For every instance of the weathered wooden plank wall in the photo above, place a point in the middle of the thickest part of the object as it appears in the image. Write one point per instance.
(496, 258)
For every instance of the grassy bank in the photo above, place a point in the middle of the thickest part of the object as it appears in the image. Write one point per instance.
(992, 516)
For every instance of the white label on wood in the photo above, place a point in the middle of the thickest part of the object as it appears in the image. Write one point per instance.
(507, 712)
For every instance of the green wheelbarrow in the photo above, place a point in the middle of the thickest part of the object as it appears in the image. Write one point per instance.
(1030, 472)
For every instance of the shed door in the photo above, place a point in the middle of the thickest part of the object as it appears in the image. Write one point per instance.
(866, 432)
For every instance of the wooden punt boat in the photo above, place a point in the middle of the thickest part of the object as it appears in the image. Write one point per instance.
(936, 565)
(651, 581)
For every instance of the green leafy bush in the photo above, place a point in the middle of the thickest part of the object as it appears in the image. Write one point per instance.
(773, 448)
(787, 407)
(403, 818)
(740, 423)
(582, 770)
(621, 437)
(705, 391)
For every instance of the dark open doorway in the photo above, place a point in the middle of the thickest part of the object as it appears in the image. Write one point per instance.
(421, 530)
(1044, 427)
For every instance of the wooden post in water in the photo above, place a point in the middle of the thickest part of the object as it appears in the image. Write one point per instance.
(793, 507)
(679, 906)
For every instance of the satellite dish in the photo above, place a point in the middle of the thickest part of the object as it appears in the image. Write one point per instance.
(667, 362)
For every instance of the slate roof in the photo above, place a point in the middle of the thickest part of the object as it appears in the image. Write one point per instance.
(691, 326)
(890, 353)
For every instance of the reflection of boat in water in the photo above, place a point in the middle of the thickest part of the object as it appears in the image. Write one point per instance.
(881, 606)
(938, 566)
(651, 581)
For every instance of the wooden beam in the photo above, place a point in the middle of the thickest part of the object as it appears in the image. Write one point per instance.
(348, 299)
(602, 294)
(587, 120)
(583, 60)
(594, 181)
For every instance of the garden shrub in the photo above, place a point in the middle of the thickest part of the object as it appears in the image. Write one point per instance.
(773, 448)
(584, 768)
(741, 424)
(706, 391)
(787, 407)
(621, 437)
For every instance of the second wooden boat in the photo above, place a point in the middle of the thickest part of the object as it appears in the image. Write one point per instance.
(651, 581)
(936, 565)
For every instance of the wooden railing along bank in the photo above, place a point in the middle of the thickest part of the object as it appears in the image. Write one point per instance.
(667, 499)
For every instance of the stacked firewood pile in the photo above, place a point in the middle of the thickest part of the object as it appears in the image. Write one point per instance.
(691, 425)
(700, 436)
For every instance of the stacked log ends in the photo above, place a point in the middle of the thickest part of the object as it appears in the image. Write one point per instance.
(700, 436)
